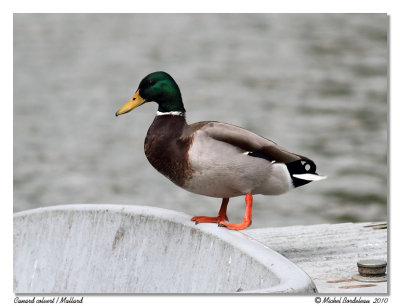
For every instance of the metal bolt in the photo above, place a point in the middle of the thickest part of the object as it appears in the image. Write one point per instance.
(371, 270)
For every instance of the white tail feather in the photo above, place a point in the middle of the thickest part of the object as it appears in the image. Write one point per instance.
(309, 177)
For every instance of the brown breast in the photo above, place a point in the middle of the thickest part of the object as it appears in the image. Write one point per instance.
(166, 148)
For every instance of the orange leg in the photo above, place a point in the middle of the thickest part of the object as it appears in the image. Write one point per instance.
(221, 215)
(247, 216)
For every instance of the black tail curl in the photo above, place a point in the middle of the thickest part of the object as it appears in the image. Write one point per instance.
(301, 166)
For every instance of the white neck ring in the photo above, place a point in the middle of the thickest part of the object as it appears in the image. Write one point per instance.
(175, 113)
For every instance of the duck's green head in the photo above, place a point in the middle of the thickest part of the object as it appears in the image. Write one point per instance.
(159, 87)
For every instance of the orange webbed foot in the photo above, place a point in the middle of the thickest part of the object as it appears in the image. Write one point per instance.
(220, 218)
(236, 227)
(205, 219)
(246, 219)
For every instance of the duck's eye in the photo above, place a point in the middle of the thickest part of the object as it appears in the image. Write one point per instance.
(151, 82)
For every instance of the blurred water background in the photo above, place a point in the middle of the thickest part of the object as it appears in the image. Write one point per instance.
(314, 83)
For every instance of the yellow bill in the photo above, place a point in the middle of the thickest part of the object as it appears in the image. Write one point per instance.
(133, 103)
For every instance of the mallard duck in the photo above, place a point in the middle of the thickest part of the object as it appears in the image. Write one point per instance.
(212, 158)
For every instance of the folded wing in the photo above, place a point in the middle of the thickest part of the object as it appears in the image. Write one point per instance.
(249, 141)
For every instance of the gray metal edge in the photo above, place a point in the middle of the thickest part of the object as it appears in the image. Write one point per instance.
(297, 281)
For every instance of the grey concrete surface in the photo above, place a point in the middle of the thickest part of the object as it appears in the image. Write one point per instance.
(329, 252)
